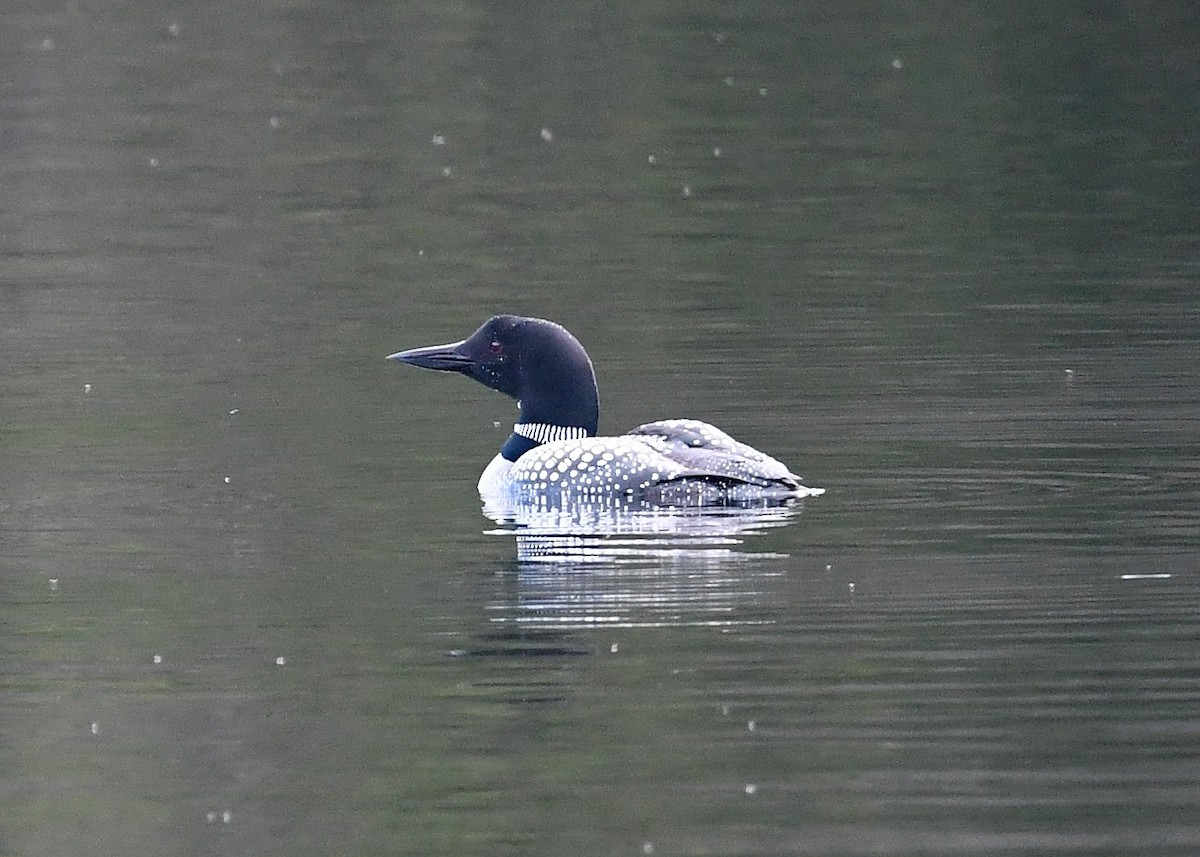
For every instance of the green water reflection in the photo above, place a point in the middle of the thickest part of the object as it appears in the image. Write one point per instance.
(941, 259)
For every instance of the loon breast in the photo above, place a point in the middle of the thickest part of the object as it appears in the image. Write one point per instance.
(676, 462)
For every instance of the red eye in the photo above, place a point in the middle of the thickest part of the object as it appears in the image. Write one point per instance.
(496, 347)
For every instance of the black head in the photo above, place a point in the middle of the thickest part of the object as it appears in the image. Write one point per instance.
(537, 362)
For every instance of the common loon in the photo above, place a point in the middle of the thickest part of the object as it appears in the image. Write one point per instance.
(553, 452)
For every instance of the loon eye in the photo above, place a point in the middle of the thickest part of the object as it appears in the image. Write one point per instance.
(496, 347)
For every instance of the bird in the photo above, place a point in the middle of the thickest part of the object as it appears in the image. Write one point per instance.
(554, 455)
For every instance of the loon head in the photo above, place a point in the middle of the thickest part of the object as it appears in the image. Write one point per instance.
(537, 362)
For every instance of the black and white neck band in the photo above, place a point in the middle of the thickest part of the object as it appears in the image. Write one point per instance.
(543, 433)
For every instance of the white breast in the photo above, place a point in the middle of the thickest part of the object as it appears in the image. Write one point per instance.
(494, 478)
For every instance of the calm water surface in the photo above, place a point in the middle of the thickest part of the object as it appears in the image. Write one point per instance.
(942, 260)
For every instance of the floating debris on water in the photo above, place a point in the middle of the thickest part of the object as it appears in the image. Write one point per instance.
(87, 388)
(751, 788)
(173, 30)
(158, 659)
(1158, 576)
(438, 140)
(274, 121)
(897, 63)
(95, 728)
(687, 191)
(54, 584)
(547, 135)
(280, 661)
(716, 151)
(613, 648)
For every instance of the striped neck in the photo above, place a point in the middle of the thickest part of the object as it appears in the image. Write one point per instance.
(544, 433)
(527, 436)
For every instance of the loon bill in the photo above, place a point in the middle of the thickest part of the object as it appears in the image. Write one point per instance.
(553, 452)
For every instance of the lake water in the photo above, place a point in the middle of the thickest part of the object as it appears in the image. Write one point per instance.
(943, 260)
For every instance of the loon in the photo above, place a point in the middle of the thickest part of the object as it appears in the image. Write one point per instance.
(553, 451)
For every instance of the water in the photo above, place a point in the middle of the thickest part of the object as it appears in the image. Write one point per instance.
(947, 255)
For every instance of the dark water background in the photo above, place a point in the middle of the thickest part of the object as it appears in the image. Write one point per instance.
(942, 258)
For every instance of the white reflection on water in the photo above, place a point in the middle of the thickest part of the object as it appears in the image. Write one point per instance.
(628, 565)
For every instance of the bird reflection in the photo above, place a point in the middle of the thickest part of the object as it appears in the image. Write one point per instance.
(625, 564)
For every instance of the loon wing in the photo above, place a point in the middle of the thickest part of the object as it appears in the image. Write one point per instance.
(601, 466)
(704, 451)
(673, 462)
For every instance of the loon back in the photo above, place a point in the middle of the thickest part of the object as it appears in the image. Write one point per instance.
(707, 449)
(553, 454)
